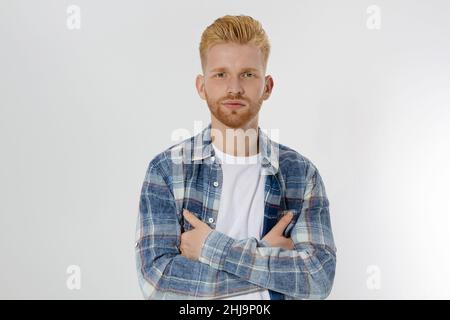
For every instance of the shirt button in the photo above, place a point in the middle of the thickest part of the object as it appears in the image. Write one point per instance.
(215, 184)
(211, 220)
(212, 158)
(136, 244)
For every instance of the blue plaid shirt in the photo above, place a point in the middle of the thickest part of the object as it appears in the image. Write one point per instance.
(187, 175)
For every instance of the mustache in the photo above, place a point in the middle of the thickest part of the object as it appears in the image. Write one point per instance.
(234, 98)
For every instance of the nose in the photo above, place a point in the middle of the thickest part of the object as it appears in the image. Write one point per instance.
(235, 86)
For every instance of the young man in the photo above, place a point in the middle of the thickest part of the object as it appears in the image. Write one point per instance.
(226, 220)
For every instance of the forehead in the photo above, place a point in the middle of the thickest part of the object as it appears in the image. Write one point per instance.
(234, 56)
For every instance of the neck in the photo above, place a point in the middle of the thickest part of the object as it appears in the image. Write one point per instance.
(239, 142)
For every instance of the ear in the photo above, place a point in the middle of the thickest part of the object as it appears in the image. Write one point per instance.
(268, 86)
(200, 85)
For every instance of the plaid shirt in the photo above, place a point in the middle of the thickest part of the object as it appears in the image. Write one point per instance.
(187, 175)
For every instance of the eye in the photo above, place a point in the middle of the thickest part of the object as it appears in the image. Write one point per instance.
(248, 74)
(219, 75)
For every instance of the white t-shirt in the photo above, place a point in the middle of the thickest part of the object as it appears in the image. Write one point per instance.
(241, 210)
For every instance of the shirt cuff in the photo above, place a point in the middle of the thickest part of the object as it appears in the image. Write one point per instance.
(215, 249)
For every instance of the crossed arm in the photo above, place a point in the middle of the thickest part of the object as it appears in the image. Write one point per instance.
(300, 267)
(193, 241)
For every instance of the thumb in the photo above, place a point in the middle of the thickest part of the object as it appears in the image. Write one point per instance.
(191, 218)
(282, 224)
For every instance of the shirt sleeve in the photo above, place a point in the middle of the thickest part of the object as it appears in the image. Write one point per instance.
(163, 273)
(306, 272)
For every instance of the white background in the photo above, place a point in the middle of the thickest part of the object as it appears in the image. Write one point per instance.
(82, 112)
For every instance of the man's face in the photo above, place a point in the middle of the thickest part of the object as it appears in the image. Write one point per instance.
(234, 73)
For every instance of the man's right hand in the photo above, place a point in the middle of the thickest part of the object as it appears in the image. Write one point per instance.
(275, 236)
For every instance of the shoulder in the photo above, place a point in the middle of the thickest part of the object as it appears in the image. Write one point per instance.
(165, 160)
(294, 164)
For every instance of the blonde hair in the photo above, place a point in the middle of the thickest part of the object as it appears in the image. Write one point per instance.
(239, 29)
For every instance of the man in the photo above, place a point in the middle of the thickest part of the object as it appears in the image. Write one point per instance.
(226, 220)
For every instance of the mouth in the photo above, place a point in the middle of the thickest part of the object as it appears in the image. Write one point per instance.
(233, 104)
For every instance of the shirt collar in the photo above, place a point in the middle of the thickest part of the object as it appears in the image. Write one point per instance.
(202, 150)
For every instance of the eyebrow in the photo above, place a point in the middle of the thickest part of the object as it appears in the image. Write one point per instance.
(225, 69)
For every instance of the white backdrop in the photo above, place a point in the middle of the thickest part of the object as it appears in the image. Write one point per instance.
(362, 89)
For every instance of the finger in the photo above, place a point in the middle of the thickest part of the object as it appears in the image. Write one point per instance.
(289, 244)
(281, 225)
(191, 218)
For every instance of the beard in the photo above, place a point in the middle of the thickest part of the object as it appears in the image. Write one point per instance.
(234, 118)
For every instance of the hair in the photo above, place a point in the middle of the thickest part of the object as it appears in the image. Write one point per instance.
(239, 29)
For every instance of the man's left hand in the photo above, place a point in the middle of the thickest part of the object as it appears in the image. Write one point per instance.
(192, 240)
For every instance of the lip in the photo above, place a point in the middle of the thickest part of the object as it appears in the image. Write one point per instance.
(233, 104)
